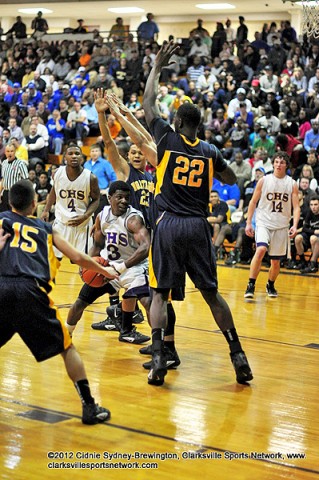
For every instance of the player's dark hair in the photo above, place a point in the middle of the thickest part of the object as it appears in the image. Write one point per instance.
(21, 195)
(72, 144)
(283, 155)
(189, 114)
(313, 197)
(118, 185)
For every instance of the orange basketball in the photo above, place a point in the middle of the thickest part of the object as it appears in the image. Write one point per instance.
(92, 278)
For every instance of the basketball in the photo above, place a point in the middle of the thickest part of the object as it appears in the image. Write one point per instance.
(92, 278)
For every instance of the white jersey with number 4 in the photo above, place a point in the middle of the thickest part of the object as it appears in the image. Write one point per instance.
(275, 205)
(119, 242)
(72, 196)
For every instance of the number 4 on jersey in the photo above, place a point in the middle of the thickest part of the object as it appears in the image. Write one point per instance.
(71, 205)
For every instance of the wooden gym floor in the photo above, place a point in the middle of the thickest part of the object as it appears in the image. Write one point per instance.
(268, 430)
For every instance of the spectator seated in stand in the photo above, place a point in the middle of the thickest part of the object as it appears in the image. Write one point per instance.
(293, 148)
(77, 125)
(263, 141)
(35, 145)
(307, 172)
(55, 126)
(309, 238)
(228, 193)
(242, 170)
(219, 214)
(42, 190)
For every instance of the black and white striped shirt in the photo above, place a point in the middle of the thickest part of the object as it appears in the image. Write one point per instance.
(12, 172)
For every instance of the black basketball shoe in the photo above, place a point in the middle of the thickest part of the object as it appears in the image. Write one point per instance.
(158, 369)
(172, 360)
(241, 366)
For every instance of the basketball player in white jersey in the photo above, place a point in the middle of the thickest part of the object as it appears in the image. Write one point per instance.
(76, 196)
(120, 236)
(277, 195)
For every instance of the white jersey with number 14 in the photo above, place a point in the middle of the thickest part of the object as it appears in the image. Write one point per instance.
(275, 205)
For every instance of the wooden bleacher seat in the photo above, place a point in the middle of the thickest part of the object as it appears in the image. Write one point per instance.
(54, 159)
(88, 141)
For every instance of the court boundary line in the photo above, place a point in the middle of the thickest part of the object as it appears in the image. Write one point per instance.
(201, 447)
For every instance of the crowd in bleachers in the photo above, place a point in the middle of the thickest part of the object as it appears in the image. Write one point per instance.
(255, 97)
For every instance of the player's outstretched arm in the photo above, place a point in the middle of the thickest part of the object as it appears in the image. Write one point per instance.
(139, 136)
(151, 89)
(131, 117)
(118, 163)
(226, 176)
(80, 258)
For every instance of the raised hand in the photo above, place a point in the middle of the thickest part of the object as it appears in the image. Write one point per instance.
(123, 109)
(100, 101)
(113, 105)
(163, 56)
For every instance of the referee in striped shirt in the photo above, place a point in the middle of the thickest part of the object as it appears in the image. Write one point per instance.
(12, 170)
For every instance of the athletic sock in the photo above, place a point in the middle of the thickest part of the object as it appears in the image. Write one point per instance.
(114, 300)
(84, 391)
(157, 339)
(271, 283)
(252, 280)
(127, 321)
(232, 340)
(171, 319)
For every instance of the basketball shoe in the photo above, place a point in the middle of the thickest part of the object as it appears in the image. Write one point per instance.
(311, 268)
(241, 366)
(115, 313)
(133, 337)
(93, 414)
(158, 369)
(108, 324)
(250, 290)
(146, 350)
(172, 360)
(271, 291)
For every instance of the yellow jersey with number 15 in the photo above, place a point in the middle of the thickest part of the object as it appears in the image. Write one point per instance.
(29, 250)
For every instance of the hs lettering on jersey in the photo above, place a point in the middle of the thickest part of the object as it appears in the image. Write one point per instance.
(284, 197)
(116, 239)
(78, 194)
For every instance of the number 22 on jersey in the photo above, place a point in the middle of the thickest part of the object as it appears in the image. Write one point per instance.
(188, 172)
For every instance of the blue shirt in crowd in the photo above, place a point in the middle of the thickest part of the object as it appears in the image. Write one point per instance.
(103, 170)
(227, 192)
